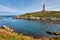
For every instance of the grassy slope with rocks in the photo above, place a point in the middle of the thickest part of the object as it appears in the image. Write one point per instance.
(43, 14)
(6, 34)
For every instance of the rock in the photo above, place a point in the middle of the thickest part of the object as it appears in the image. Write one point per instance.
(7, 28)
(54, 33)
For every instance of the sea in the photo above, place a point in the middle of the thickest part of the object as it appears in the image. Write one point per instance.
(35, 28)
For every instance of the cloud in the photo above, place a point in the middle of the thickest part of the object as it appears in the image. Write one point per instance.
(8, 9)
(55, 8)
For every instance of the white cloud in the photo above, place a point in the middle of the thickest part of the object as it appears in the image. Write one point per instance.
(55, 8)
(52, 6)
(8, 9)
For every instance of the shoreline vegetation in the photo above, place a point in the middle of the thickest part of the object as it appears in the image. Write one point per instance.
(7, 33)
(52, 16)
(48, 15)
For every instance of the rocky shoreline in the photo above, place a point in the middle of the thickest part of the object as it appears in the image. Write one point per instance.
(6, 31)
(38, 18)
(48, 19)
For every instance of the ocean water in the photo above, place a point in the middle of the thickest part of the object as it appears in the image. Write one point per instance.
(30, 27)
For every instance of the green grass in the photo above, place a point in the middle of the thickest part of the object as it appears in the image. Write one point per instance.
(13, 37)
(43, 14)
(3, 37)
(21, 37)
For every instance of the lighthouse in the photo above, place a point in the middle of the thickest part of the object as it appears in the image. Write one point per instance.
(44, 8)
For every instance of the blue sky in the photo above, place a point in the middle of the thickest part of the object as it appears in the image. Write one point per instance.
(16, 7)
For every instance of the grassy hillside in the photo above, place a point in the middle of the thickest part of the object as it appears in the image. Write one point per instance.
(42, 14)
(14, 37)
(6, 34)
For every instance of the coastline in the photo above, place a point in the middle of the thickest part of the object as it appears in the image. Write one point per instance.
(8, 32)
(52, 20)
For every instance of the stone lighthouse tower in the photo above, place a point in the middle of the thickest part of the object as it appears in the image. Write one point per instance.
(44, 9)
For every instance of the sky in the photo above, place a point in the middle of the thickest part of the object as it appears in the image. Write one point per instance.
(16, 7)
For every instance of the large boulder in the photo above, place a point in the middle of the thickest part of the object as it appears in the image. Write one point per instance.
(7, 28)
